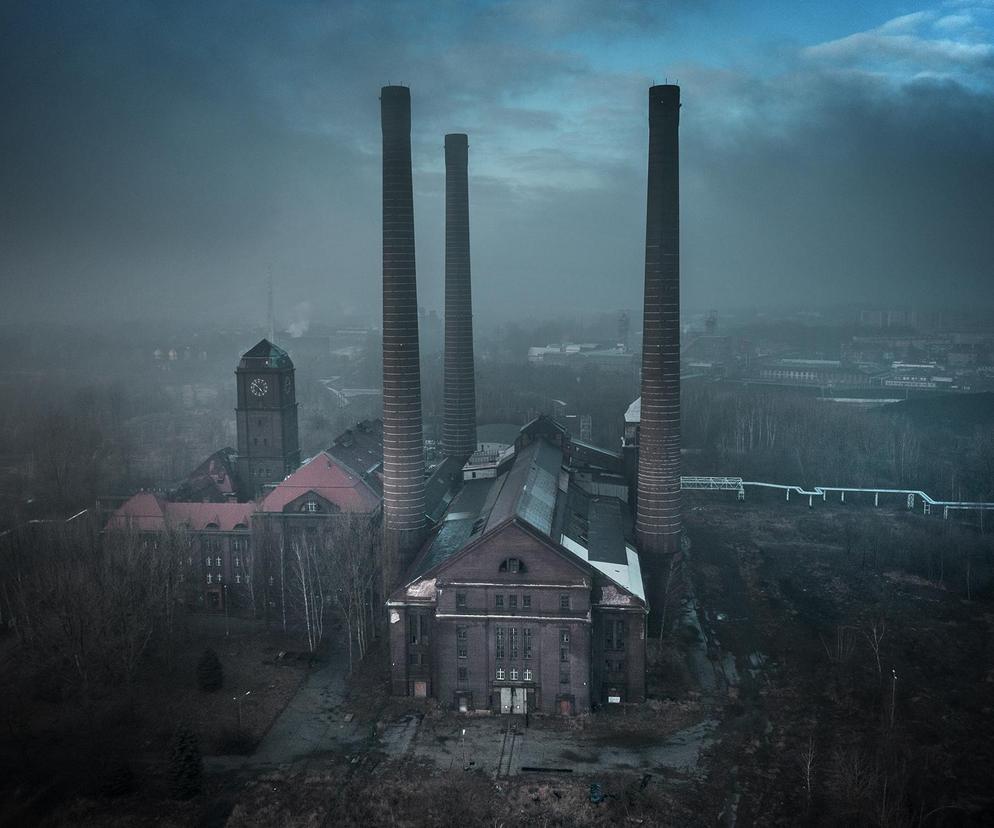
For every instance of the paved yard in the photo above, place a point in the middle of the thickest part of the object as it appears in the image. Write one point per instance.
(500, 746)
(312, 723)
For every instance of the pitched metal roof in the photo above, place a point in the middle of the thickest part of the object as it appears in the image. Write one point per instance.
(457, 527)
(265, 355)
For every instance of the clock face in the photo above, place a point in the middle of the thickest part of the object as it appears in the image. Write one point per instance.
(259, 387)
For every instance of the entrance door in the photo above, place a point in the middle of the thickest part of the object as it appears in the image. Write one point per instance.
(420, 689)
(520, 701)
(505, 699)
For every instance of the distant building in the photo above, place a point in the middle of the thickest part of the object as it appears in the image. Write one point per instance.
(266, 415)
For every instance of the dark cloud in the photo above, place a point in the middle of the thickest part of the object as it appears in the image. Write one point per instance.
(159, 157)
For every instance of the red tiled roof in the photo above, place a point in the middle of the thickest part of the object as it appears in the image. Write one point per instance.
(327, 479)
(200, 515)
(149, 512)
(143, 511)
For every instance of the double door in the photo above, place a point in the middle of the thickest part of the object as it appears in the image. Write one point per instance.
(513, 700)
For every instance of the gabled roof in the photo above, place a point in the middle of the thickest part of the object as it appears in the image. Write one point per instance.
(327, 478)
(144, 512)
(213, 480)
(265, 355)
(148, 512)
(360, 449)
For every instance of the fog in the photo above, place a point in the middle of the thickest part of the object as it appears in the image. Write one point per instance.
(161, 159)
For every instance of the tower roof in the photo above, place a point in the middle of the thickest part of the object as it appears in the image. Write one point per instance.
(266, 355)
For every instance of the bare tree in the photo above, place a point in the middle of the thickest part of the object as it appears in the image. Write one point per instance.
(91, 606)
(807, 768)
(841, 648)
(309, 574)
(874, 635)
(353, 553)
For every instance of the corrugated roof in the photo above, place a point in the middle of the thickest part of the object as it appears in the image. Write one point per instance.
(457, 528)
(606, 534)
(537, 499)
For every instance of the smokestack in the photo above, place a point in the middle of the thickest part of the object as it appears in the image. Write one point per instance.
(459, 423)
(403, 446)
(657, 521)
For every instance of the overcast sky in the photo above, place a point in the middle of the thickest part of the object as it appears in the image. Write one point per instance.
(157, 157)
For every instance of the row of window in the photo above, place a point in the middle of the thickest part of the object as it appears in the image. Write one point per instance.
(219, 561)
(239, 578)
(510, 601)
(508, 640)
(514, 674)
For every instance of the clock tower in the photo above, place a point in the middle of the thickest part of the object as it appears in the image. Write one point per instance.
(266, 415)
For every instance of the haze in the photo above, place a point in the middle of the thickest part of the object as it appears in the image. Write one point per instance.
(161, 158)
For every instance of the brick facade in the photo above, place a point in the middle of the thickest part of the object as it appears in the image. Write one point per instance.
(514, 623)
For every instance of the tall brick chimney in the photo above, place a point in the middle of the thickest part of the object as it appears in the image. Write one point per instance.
(459, 422)
(657, 522)
(403, 445)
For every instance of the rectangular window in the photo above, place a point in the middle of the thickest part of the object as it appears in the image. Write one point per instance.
(514, 674)
(528, 674)
(412, 629)
(564, 601)
(210, 578)
(463, 674)
(514, 641)
(460, 600)
(423, 619)
(500, 642)
(564, 675)
(462, 649)
(499, 601)
(564, 646)
(614, 636)
(526, 601)
(512, 602)
(513, 565)
(238, 561)
(500, 674)
(414, 658)
(527, 642)
(238, 578)
(207, 561)
(218, 561)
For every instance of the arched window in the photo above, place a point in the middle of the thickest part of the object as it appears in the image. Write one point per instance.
(512, 565)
